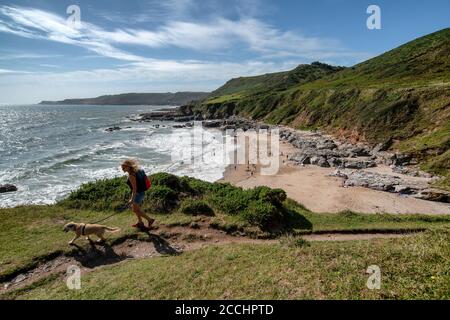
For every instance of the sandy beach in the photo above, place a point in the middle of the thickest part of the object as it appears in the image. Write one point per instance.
(316, 190)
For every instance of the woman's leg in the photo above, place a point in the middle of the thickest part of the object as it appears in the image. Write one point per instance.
(140, 214)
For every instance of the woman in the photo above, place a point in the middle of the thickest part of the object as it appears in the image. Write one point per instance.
(137, 194)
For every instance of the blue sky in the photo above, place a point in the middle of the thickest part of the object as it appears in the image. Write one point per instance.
(188, 45)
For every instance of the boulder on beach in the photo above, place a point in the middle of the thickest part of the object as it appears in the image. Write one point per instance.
(7, 188)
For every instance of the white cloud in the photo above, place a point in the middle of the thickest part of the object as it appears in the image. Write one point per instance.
(214, 36)
(156, 76)
(268, 47)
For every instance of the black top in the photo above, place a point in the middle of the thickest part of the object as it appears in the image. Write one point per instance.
(140, 183)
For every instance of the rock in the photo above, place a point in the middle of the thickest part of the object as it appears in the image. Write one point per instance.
(300, 158)
(183, 119)
(381, 147)
(411, 172)
(335, 162)
(19, 278)
(212, 123)
(111, 129)
(7, 188)
(326, 144)
(372, 180)
(401, 159)
(433, 195)
(403, 189)
(339, 174)
(323, 162)
(359, 164)
(314, 160)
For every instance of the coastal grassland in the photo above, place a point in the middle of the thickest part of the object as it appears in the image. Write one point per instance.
(30, 234)
(413, 267)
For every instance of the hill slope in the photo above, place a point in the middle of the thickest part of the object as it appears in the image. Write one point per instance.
(401, 98)
(168, 98)
(276, 81)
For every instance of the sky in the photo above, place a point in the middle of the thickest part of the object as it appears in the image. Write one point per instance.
(188, 45)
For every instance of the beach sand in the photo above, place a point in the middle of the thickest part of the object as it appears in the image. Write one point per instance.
(312, 187)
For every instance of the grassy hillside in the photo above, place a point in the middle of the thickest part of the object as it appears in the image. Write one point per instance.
(401, 98)
(275, 81)
(412, 267)
(180, 201)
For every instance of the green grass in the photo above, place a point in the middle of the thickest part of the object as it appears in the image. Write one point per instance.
(31, 233)
(303, 73)
(414, 267)
(225, 98)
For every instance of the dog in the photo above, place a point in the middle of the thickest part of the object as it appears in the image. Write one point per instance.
(83, 229)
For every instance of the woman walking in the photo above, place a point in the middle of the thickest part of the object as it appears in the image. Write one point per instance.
(136, 182)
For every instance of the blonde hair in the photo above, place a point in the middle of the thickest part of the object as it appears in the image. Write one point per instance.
(131, 163)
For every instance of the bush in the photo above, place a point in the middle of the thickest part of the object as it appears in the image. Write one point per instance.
(196, 207)
(262, 213)
(161, 198)
(230, 200)
(260, 206)
(166, 179)
(104, 194)
(273, 196)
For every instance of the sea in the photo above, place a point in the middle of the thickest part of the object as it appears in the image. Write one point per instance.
(49, 150)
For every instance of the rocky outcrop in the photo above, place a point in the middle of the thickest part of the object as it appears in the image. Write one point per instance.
(166, 115)
(433, 195)
(7, 188)
(111, 129)
(391, 183)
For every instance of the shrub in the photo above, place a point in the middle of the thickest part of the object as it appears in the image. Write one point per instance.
(161, 198)
(196, 207)
(166, 179)
(104, 194)
(230, 200)
(273, 196)
(262, 213)
(260, 206)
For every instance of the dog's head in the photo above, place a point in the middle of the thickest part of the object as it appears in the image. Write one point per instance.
(69, 227)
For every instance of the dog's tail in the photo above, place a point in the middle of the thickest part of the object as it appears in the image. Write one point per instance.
(112, 229)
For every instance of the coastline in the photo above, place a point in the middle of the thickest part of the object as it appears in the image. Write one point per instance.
(313, 187)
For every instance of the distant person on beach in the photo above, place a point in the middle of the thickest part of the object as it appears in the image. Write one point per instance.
(138, 183)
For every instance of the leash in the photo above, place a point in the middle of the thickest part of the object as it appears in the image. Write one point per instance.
(120, 210)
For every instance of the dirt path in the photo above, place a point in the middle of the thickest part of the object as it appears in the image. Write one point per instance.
(162, 241)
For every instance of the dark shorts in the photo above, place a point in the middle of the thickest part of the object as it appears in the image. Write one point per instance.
(139, 198)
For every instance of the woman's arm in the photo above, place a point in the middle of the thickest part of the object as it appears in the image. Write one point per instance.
(133, 187)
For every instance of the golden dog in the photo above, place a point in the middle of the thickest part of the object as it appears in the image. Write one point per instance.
(83, 229)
